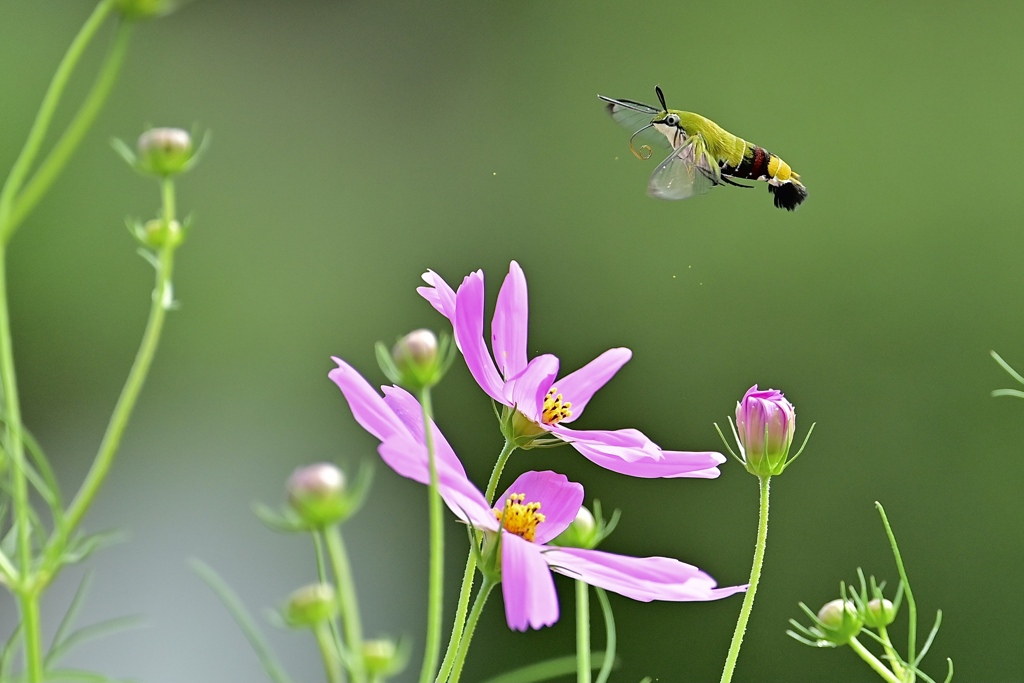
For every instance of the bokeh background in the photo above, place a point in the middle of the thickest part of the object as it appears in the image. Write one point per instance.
(358, 143)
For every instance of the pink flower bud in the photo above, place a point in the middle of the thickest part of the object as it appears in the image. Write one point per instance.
(765, 422)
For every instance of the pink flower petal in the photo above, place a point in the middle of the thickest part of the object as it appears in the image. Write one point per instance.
(367, 406)
(526, 585)
(408, 409)
(625, 444)
(469, 335)
(526, 391)
(640, 578)
(439, 294)
(580, 386)
(508, 328)
(559, 498)
(408, 457)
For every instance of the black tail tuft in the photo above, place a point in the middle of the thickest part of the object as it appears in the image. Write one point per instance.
(788, 195)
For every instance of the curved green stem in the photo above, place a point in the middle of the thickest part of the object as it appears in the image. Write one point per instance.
(321, 573)
(47, 108)
(467, 637)
(162, 299)
(873, 661)
(890, 651)
(58, 157)
(582, 632)
(349, 604)
(909, 594)
(432, 647)
(609, 629)
(330, 656)
(499, 465)
(755, 577)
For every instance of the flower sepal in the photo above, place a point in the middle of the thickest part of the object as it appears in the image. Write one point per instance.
(524, 432)
(318, 496)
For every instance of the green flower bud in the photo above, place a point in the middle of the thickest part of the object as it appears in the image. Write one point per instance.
(317, 493)
(879, 613)
(165, 151)
(582, 533)
(417, 360)
(311, 605)
(157, 233)
(839, 621)
(383, 658)
(145, 9)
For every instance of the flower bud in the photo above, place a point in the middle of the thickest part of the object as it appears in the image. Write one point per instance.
(879, 613)
(417, 361)
(840, 622)
(317, 493)
(158, 233)
(383, 658)
(311, 605)
(164, 151)
(144, 9)
(582, 533)
(765, 423)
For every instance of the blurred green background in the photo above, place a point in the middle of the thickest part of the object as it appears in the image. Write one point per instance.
(357, 144)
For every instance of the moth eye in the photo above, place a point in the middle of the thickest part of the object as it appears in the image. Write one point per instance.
(672, 120)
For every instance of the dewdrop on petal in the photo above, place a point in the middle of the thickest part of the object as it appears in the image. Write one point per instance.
(311, 605)
(317, 493)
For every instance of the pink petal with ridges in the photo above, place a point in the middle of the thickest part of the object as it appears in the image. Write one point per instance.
(580, 386)
(526, 585)
(640, 578)
(508, 328)
(367, 406)
(408, 409)
(559, 498)
(625, 444)
(440, 295)
(527, 390)
(469, 334)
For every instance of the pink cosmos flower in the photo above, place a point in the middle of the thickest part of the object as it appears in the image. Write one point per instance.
(765, 425)
(538, 404)
(535, 509)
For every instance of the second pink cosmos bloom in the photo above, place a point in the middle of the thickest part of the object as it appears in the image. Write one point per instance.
(532, 390)
(534, 510)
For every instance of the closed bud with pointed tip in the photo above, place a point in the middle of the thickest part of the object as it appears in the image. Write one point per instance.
(417, 361)
(582, 533)
(765, 423)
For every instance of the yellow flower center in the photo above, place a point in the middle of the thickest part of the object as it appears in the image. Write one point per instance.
(556, 408)
(520, 518)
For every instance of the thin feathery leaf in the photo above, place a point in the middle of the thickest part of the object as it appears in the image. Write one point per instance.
(1006, 366)
(243, 619)
(90, 632)
(74, 608)
(542, 671)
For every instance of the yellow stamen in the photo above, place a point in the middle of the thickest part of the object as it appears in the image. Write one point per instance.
(556, 408)
(520, 518)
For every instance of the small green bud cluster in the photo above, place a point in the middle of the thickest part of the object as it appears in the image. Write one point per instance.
(418, 360)
(839, 621)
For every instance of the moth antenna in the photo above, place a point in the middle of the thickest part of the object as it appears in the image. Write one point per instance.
(661, 97)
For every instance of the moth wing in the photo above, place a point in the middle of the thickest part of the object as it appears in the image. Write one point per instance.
(635, 115)
(688, 171)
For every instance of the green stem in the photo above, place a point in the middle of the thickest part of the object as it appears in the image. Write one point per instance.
(432, 647)
(474, 617)
(37, 133)
(890, 651)
(911, 603)
(330, 656)
(609, 629)
(492, 483)
(873, 661)
(755, 577)
(162, 298)
(349, 605)
(460, 616)
(321, 573)
(582, 632)
(27, 586)
(58, 157)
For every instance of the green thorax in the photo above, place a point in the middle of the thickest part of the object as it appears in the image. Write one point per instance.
(720, 143)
